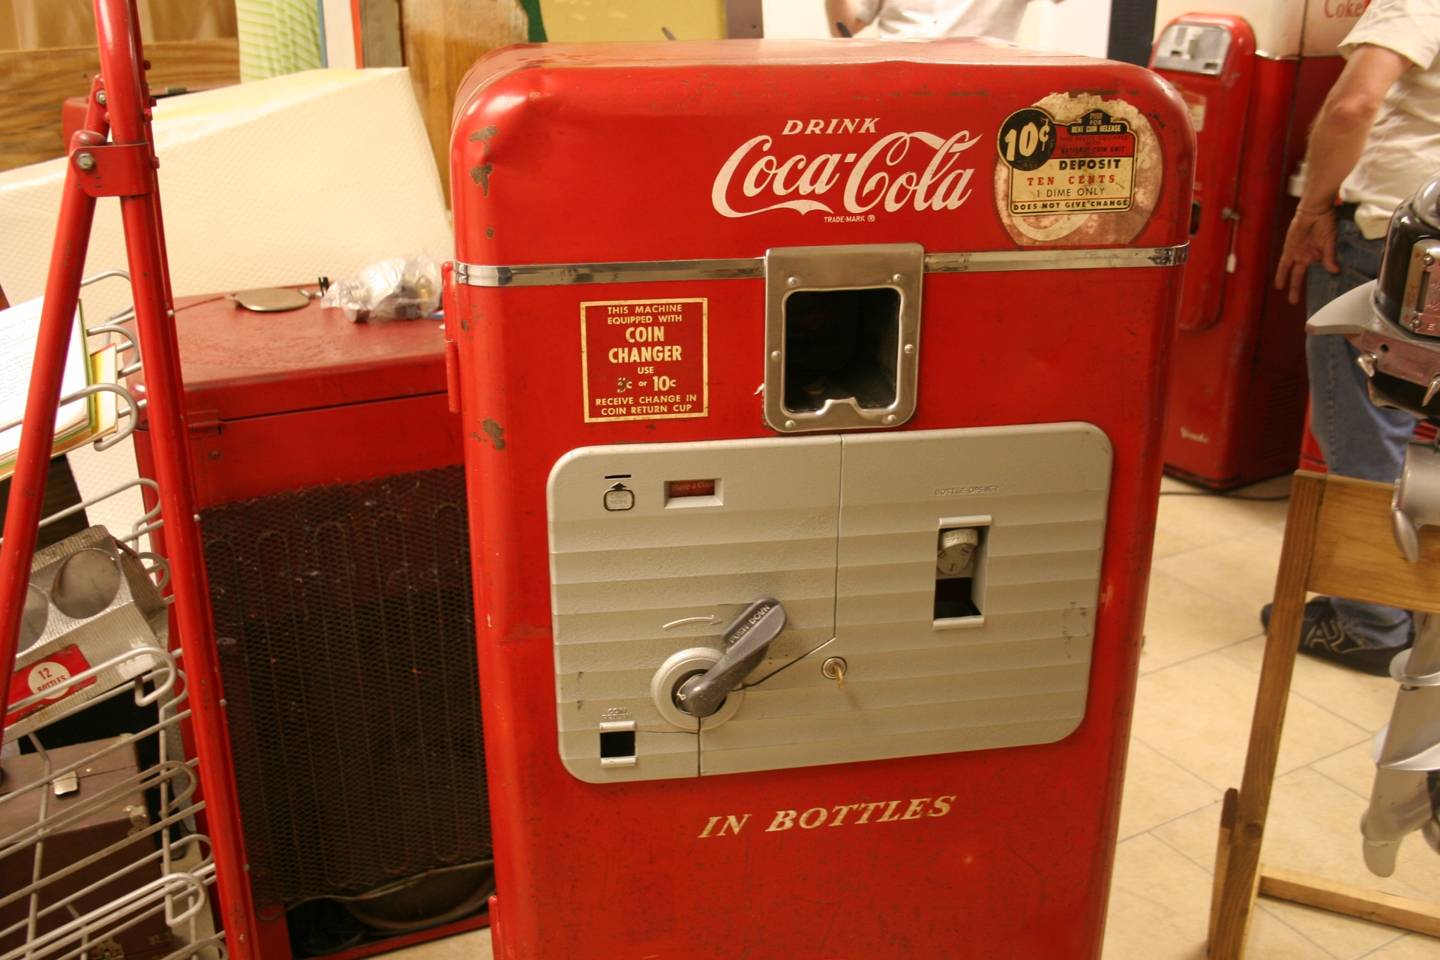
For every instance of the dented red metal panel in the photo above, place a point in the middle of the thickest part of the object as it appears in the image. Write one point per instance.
(605, 165)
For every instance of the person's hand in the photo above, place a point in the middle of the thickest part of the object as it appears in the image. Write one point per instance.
(1311, 238)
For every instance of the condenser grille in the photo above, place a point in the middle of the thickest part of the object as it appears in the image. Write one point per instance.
(344, 622)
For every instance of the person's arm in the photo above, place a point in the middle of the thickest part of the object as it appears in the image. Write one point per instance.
(1336, 142)
(845, 12)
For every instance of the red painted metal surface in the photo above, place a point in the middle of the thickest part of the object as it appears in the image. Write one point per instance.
(240, 363)
(1237, 382)
(281, 401)
(72, 116)
(116, 169)
(1310, 456)
(1219, 106)
(304, 398)
(126, 114)
(27, 490)
(128, 108)
(570, 155)
(357, 21)
(412, 939)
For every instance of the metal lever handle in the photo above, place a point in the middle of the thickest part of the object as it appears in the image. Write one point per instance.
(747, 639)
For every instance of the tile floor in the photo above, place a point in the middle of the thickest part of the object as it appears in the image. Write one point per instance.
(1215, 562)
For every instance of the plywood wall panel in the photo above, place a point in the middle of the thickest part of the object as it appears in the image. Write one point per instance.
(37, 24)
(443, 38)
(34, 83)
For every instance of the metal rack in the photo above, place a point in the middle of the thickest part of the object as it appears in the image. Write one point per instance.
(184, 839)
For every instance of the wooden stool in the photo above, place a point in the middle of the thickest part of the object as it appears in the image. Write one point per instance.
(1337, 541)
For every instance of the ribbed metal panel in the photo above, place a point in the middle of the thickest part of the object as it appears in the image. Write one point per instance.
(619, 577)
(344, 619)
(843, 530)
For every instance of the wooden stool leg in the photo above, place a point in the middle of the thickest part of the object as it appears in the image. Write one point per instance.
(1222, 857)
(1235, 899)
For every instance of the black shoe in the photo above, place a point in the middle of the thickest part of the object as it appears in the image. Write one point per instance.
(1324, 637)
(1318, 607)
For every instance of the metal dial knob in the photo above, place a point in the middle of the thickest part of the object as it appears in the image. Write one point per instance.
(956, 556)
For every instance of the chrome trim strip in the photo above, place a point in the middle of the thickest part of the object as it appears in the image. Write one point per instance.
(635, 271)
(753, 268)
(1001, 261)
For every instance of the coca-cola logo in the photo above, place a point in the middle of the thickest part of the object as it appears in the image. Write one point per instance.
(1346, 9)
(914, 170)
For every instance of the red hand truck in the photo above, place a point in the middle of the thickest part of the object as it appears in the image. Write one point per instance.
(114, 156)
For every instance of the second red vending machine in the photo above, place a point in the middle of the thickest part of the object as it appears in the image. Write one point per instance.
(1253, 73)
(811, 396)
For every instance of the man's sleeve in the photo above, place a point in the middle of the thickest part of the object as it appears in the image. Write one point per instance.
(866, 10)
(1411, 28)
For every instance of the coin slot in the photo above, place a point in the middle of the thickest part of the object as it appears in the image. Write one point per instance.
(841, 345)
(616, 744)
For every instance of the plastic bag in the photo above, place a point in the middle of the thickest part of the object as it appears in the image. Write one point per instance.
(402, 288)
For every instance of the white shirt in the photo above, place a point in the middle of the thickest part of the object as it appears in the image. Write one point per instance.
(943, 18)
(1403, 149)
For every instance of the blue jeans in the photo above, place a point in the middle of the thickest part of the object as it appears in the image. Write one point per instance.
(1358, 438)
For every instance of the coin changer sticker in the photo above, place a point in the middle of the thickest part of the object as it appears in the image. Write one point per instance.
(645, 359)
(1086, 166)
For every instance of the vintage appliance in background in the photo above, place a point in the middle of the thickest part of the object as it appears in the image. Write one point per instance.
(1253, 74)
(814, 546)
(332, 513)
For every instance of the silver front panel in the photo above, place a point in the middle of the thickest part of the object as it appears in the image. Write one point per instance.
(619, 577)
(843, 531)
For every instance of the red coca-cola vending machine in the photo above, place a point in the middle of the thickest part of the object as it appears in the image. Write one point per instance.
(1253, 73)
(811, 395)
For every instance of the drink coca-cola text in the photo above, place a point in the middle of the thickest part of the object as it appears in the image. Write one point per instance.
(916, 170)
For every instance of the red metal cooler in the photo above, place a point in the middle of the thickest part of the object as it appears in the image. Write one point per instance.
(332, 513)
(1253, 74)
(811, 396)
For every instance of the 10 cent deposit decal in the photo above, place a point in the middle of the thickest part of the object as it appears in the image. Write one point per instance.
(1085, 166)
(645, 359)
(1077, 169)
